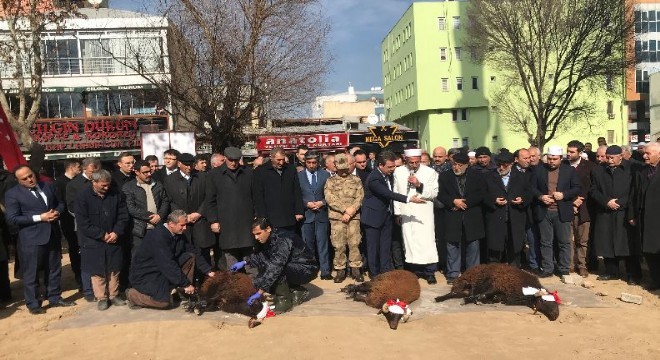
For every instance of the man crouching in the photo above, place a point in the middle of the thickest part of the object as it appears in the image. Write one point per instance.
(284, 262)
(165, 260)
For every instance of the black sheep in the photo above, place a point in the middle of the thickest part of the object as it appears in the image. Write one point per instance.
(229, 292)
(390, 292)
(502, 283)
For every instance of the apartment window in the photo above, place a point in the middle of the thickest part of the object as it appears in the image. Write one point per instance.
(60, 57)
(445, 84)
(459, 115)
(457, 22)
(443, 54)
(442, 24)
(459, 83)
(455, 142)
(610, 109)
(466, 142)
(610, 136)
(642, 81)
(609, 83)
(473, 54)
(475, 83)
(457, 51)
(494, 138)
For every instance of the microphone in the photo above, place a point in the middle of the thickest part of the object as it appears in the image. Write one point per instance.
(410, 185)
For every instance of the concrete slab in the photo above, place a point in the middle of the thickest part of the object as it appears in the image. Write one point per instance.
(325, 300)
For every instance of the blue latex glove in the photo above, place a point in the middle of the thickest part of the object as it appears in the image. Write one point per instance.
(239, 265)
(256, 296)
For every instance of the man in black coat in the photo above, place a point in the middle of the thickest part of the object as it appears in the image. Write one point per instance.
(102, 218)
(146, 201)
(647, 210)
(230, 208)
(361, 169)
(185, 191)
(124, 172)
(73, 188)
(165, 260)
(67, 223)
(610, 192)
(170, 165)
(506, 202)
(556, 187)
(583, 207)
(462, 193)
(34, 208)
(377, 213)
(277, 193)
(485, 163)
(285, 263)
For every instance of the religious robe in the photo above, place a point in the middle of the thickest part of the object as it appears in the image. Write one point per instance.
(417, 221)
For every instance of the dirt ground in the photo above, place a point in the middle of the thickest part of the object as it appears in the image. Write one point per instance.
(589, 327)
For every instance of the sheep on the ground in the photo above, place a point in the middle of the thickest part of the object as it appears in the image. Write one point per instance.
(228, 292)
(390, 292)
(502, 283)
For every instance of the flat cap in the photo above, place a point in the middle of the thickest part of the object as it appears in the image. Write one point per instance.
(504, 157)
(482, 151)
(614, 150)
(233, 153)
(187, 159)
(461, 158)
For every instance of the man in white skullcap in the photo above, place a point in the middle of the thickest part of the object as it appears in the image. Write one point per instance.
(555, 187)
(417, 220)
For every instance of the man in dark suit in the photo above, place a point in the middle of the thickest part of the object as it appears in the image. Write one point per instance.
(34, 208)
(361, 169)
(67, 223)
(124, 172)
(185, 190)
(647, 210)
(377, 213)
(315, 227)
(462, 192)
(506, 202)
(75, 186)
(170, 165)
(582, 207)
(277, 192)
(556, 187)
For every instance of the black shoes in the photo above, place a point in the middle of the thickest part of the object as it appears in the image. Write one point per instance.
(117, 301)
(340, 277)
(606, 277)
(103, 304)
(62, 303)
(326, 277)
(545, 275)
(37, 311)
(89, 298)
(356, 274)
(631, 280)
(431, 280)
(450, 281)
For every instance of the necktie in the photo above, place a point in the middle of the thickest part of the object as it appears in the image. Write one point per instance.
(314, 183)
(36, 193)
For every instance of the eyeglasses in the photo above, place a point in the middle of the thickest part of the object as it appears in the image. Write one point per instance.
(170, 158)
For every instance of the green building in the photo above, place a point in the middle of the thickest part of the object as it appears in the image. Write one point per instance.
(433, 84)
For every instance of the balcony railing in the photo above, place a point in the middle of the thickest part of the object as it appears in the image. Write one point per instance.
(92, 66)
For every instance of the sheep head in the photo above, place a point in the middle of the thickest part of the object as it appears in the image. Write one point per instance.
(395, 311)
(547, 304)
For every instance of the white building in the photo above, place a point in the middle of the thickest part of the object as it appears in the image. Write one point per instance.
(91, 89)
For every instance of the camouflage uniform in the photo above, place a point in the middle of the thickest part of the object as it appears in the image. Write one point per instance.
(341, 193)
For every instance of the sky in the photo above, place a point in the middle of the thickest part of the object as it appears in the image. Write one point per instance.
(357, 30)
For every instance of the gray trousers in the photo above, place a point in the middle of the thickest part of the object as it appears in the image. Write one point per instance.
(551, 228)
(472, 256)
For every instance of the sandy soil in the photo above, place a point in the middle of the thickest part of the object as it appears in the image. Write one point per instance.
(618, 331)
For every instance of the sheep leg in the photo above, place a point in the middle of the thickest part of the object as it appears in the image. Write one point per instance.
(485, 297)
(451, 295)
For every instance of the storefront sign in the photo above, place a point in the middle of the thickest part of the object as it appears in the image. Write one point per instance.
(90, 89)
(72, 135)
(313, 141)
(383, 136)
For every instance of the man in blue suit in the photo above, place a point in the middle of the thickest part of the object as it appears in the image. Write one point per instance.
(377, 209)
(315, 228)
(34, 208)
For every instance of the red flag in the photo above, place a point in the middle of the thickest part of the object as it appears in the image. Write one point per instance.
(9, 148)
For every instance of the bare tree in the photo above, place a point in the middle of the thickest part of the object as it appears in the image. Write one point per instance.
(551, 54)
(238, 61)
(21, 58)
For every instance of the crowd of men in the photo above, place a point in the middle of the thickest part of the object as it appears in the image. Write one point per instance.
(139, 231)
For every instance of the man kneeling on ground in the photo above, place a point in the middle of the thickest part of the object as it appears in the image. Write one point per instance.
(284, 262)
(165, 260)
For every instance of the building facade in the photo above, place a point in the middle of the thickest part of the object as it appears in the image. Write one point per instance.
(94, 102)
(364, 104)
(434, 84)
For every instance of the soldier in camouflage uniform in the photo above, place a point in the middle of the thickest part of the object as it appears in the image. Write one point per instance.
(344, 194)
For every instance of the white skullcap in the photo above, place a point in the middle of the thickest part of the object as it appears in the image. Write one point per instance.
(472, 154)
(412, 152)
(555, 150)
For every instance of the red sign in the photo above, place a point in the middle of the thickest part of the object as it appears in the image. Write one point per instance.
(313, 141)
(86, 135)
